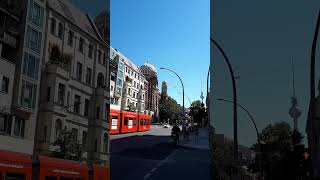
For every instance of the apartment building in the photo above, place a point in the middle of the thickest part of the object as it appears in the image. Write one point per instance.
(21, 35)
(75, 82)
(116, 79)
(133, 95)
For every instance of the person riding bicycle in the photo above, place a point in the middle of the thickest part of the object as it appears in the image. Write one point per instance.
(175, 131)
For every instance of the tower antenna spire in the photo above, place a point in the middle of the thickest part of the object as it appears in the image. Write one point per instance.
(293, 79)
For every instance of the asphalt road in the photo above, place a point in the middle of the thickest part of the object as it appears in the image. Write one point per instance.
(151, 156)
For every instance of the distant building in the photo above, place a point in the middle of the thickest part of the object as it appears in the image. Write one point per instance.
(102, 22)
(153, 96)
(164, 90)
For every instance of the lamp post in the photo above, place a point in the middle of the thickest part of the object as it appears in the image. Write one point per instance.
(255, 126)
(181, 84)
(235, 113)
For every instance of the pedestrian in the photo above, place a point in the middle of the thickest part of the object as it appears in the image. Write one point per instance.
(196, 133)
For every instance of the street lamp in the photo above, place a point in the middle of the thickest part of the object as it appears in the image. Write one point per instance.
(255, 126)
(181, 84)
(235, 113)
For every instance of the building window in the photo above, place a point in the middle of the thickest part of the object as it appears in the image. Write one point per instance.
(134, 94)
(81, 43)
(61, 90)
(104, 58)
(86, 107)
(100, 81)
(28, 94)
(74, 134)
(99, 56)
(98, 112)
(76, 104)
(70, 38)
(90, 51)
(111, 88)
(44, 134)
(84, 139)
(53, 26)
(5, 84)
(58, 128)
(88, 76)
(18, 129)
(79, 71)
(48, 94)
(95, 145)
(105, 141)
(5, 124)
(34, 39)
(37, 14)
(31, 66)
(60, 30)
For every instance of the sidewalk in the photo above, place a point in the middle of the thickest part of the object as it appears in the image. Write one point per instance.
(201, 143)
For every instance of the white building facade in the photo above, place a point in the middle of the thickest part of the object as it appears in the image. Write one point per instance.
(75, 83)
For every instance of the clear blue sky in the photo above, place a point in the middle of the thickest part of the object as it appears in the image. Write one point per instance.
(169, 33)
(261, 38)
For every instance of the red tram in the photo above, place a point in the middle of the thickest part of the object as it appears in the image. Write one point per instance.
(127, 122)
(18, 166)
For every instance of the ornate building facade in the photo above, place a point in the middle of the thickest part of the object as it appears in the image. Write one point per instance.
(153, 96)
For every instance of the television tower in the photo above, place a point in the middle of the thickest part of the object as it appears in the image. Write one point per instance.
(294, 111)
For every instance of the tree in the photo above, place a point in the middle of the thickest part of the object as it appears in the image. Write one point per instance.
(278, 155)
(197, 111)
(169, 109)
(69, 148)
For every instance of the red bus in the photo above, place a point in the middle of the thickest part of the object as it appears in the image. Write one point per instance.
(61, 169)
(144, 122)
(15, 165)
(128, 122)
(114, 121)
(101, 172)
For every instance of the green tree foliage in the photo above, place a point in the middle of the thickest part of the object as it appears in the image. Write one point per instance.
(197, 111)
(169, 109)
(278, 155)
(69, 148)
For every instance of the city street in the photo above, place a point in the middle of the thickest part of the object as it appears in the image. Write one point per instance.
(149, 155)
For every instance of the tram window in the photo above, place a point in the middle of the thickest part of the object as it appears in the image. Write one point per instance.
(14, 176)
(126, 121)
(65, 178)
(141, 122)
(51, 178)
(134, 121)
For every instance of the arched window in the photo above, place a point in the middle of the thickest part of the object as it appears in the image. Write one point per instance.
(105, 142)
(60, 30)
(53, 26)
(58, 128)
(45, 134)
(100, 82)
(96, 145)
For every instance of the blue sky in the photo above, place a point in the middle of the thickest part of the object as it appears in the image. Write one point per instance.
(168, 33)
(171, 34)
(261, 38)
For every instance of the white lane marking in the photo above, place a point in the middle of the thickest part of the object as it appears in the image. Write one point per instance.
(147, 176)
(158, 165)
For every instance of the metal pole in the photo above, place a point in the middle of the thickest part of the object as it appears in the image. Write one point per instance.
(182, 87)
(255, 126)
(235, 114)
(310, 122)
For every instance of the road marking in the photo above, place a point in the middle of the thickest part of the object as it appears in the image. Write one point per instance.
(154, 169)
(147, 176)
(158, 165)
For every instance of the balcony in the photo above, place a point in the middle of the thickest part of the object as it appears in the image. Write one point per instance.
(9, 39)
(57, 68)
